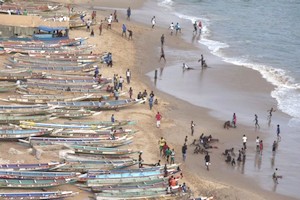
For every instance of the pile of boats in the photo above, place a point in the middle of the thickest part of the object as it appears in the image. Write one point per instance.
(53, 82)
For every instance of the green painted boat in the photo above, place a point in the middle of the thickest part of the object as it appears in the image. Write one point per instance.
(37, 195)
(103, 151)
(130, 195)
(100, 182)
(105, 123)
(5, 119)
(85, 167)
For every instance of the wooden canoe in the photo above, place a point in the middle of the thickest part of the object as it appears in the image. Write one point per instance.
(37, 175)
(31, 183)
(31, 167)
(14, 134)
(37, 195)
(103, 151)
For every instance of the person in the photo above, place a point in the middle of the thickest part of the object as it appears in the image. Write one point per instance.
(139, 96)
(233, 162)
(201, 60)
(157, 164)
(228, 158)
(172, 28)
(207, 161)
(130, 33)
(112, 118)
(151, 94)
(100, 27)
(186, 67)
(195, 27)
(244, 141)
(115, 16)
(234, 120)
(172, 157)
(25, 12)
(109, 21)
(278, 132)
(130, 92)
(227, 151)
(128, 13)
(88, 25)
(274, 146)
(158, 118)
(275, 176)
(256, 121)
(151, 100)
(257, 141)
(161, 143)
(183, 150)
(200, 26)
(165, 147)
(261, 147)
(94, 15)
(96, 72)
(192, 127)
(155, 102)
(162, 55)
(186, 139)
(116, 94)
(92, 33)
(128, 76)
(140, 160)
(177, 28)
(153, 21)
(124, 29)
(239, 159)
(145, 94)
(184, 189)
(168, 154)
(162, 40)
(121, 81)
(270, 113)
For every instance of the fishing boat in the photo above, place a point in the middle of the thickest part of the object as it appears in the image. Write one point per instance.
(42, 99)
(138, 195)
(26, 124)
(79, 141)
(37, 195)
(115, 134)
(96, 105)
(32, 183)
(105, 123)
(14, 134)
(20, 76)
(7, 86)
(64, 81)
(31, 167)
(101, 182)
(79, 157)
(74, 114)
(5, 119)
(37, 175)
(71, 88)
(103, 151)
(144, 185)
(85, 167)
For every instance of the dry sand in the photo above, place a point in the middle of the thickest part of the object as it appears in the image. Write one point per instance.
(140, 56)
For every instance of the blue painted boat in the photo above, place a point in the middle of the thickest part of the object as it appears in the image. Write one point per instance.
(31, 167)
(37, 175)
(125, 175)
(26, 124)
(37, 195)
(32, 183)
(23, 133)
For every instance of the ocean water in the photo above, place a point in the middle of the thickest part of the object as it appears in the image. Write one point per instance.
(261, 35)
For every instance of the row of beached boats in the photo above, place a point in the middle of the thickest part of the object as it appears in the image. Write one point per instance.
(53, 83)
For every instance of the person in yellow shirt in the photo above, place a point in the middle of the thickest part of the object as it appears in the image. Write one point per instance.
(161, 143)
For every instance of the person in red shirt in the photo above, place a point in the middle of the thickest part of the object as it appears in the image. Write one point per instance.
(158, 118)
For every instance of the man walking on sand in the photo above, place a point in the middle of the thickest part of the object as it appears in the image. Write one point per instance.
(158, 118)
(244, 141)
(162, 40)
(256, 121)
(192, 127)
(183, 150)
(153, 21)
(207, 161)
(128, 76)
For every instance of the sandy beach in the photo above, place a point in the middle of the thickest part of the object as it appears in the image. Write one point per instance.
(141, 56)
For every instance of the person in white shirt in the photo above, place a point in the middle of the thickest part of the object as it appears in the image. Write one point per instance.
(244, 141)
(153, 21)
(172, 27)
(257, 143)
(128, 76)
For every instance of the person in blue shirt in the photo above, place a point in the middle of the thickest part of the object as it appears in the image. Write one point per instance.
(124, 29)
(112, 118)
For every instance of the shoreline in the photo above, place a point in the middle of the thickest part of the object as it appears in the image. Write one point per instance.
(267, 88)
(176, 116)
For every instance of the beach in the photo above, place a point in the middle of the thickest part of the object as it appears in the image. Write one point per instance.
(225, 89)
